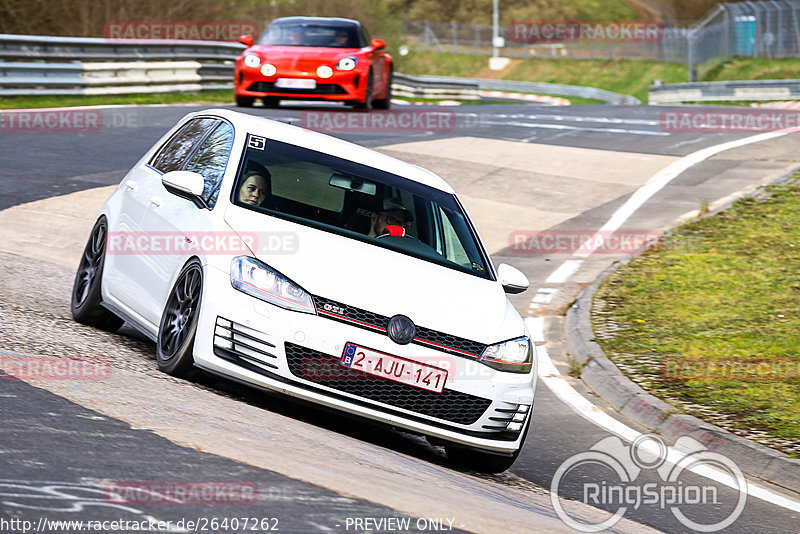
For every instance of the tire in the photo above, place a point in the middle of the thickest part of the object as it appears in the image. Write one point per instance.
(367, 103)
(480, 461)
(271, 101)
(245, 101)
(178, 327)
(87, 295)
(386, 102)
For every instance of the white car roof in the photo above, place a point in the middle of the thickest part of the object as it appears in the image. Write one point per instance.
(327, 144)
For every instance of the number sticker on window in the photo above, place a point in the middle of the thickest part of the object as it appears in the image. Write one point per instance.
(256, 142)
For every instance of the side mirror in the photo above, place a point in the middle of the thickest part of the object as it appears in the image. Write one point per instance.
(184, 183)
(512, 279)
(246, 40)
(377, 44)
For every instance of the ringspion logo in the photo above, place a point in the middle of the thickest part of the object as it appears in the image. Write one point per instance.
(609, 475)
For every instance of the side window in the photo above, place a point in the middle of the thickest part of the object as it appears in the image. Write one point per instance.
(174, 152)
(211, 159)
(364, 36)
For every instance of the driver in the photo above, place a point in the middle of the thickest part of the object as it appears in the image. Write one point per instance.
(393, 219)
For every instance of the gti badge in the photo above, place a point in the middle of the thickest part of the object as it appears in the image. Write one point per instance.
(401, 329)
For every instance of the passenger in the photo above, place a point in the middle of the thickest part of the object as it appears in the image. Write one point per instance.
(393, 219)
(255, 186)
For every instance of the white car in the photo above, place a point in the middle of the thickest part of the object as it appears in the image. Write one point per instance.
(296, 262)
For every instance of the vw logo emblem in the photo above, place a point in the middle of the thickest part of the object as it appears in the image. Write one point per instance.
(401, 329)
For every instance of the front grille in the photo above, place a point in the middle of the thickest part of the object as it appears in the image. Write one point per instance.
(323, 369)
(426, 337)
(320, 89)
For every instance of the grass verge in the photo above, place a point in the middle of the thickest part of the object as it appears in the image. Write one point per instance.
(623, 76)
(724, 290)
(224, 96)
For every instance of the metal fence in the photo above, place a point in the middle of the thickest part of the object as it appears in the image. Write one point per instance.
(765, 29)
(769, 29)
(477, 39)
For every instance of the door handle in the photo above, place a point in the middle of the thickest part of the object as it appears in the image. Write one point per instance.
(130, 185)
(155, 201)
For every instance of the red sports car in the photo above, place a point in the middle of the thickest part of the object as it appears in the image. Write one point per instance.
(314, 58)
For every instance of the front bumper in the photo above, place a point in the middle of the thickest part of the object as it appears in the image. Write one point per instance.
(298, 354)
(343, 85)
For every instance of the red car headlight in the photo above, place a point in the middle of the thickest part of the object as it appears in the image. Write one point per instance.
(252, 60)
(347, 63)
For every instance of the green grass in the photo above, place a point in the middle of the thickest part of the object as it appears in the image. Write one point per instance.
(203, 97)
(624, 76)
(725, 287)
(628, 77)
(754, 69)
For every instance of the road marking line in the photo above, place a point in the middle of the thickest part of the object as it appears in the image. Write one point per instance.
(545, 126)
(661, 179)
(564, 271)
(557, 383)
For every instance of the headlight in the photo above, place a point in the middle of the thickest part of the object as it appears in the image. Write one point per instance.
(346, 63)
(250, 276)
(269, 69)
(252, 60)
(324, 71)
(515, 355)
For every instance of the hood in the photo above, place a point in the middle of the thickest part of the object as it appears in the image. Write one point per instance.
(383, 281)
(301, 58)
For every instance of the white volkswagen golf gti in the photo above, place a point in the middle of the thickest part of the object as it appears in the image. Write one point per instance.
(299, 263)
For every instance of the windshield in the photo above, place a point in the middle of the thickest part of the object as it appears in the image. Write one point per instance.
(359, 202)
(311, 34)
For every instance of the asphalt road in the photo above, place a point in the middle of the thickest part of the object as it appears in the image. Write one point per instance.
(91, 447)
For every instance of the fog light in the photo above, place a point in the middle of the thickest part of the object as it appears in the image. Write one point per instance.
(324, 71)
(520, 417)
(514, 427)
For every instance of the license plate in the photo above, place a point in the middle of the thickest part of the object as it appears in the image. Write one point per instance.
(394, 368)
(295, 83)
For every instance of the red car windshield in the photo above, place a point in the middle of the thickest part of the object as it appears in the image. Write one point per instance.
(318, 35)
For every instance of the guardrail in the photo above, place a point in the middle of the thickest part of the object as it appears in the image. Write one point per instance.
(38, 65)
(677, 93)
(469, 88)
